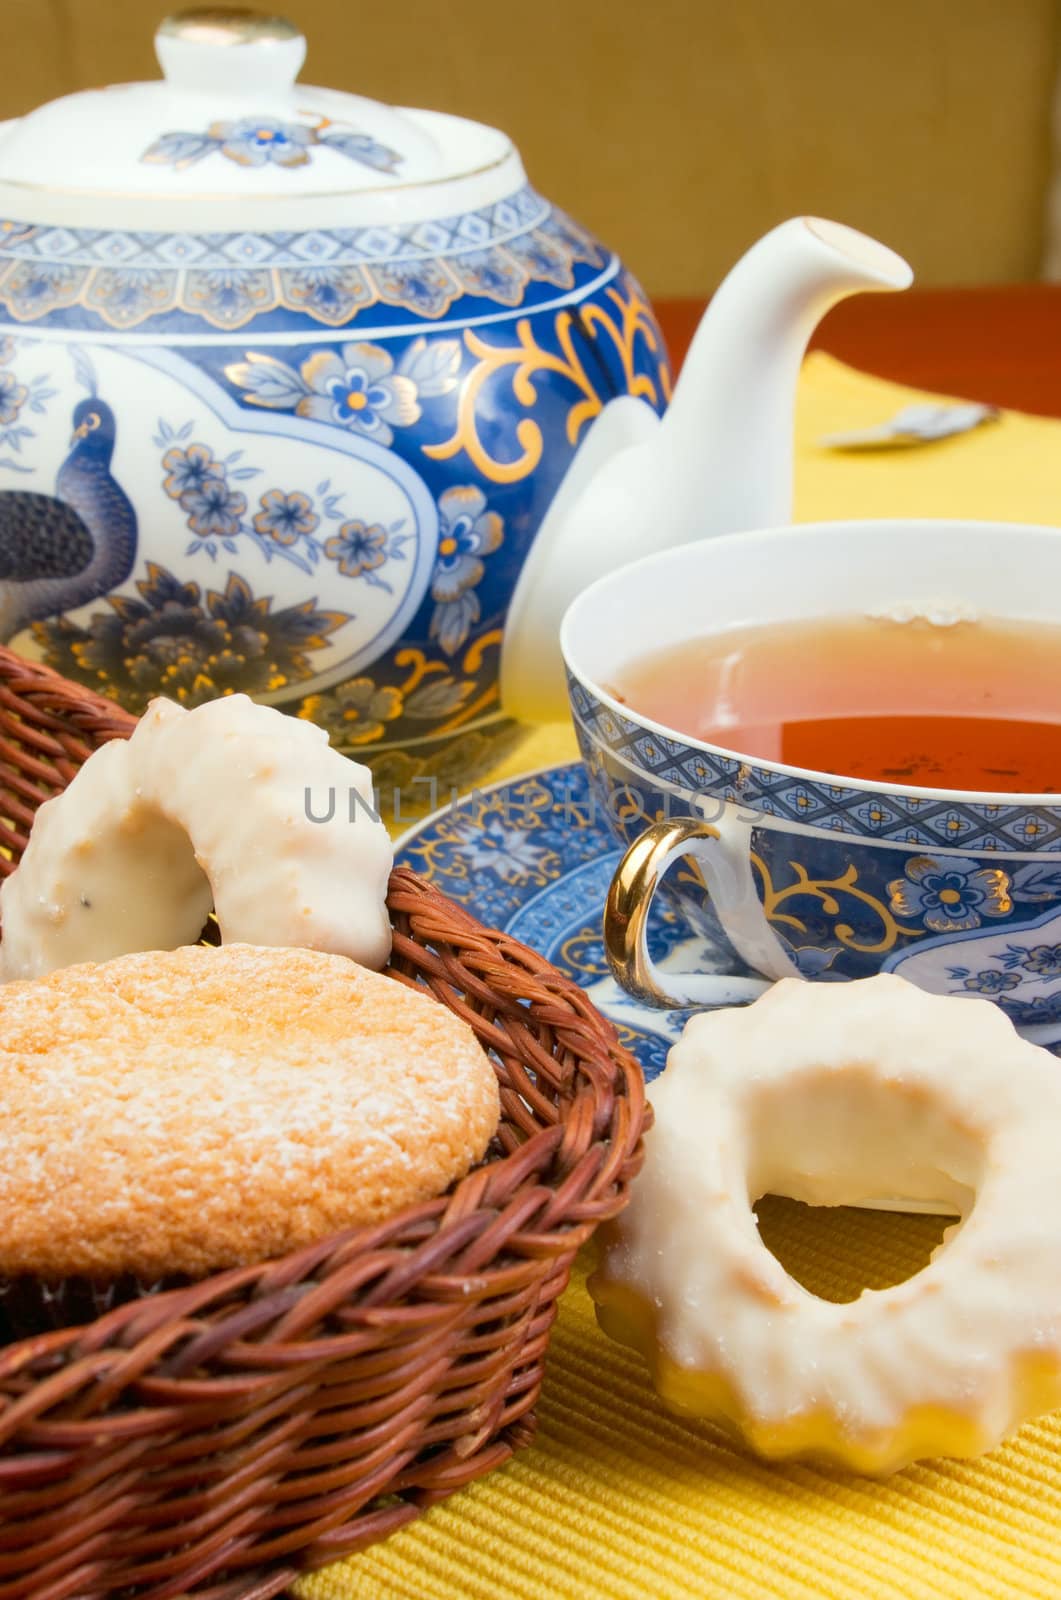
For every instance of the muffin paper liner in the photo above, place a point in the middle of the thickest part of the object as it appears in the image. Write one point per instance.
(31, 1306)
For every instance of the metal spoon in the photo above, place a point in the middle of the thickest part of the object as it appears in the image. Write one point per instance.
(921, 423)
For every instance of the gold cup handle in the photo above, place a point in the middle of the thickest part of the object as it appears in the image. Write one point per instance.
(722, 849)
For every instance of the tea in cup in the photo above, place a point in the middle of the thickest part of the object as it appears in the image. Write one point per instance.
(836, 746)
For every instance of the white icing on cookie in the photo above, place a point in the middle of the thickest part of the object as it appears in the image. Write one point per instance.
(837, 1095)
(214, 806)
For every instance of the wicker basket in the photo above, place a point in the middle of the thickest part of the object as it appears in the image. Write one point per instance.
(218, 1440)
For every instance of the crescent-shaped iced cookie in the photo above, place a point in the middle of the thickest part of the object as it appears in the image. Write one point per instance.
(232, 805)
(839, 1095)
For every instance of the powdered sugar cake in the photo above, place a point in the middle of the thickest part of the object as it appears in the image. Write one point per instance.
(174, 1113)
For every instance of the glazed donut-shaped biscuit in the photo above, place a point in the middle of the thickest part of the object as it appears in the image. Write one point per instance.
(836, 1096)
(200, 808)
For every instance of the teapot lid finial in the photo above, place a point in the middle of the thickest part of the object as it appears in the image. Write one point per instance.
(225, 25)
(193, 49)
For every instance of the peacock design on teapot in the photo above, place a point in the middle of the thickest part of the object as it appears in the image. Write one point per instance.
(307, 396)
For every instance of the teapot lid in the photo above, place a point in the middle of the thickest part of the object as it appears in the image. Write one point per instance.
(228, 120)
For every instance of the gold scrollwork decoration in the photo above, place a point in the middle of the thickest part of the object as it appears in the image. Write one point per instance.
(582, 952)
(632, 313)
(526, 359)
(471, 663)
(420, 667)
(829, 893)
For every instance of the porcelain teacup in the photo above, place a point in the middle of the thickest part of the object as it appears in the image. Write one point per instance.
(802, 873)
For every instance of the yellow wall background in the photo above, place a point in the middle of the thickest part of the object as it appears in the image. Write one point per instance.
(679, 130)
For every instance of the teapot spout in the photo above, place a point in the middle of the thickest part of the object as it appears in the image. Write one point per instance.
(719, 461)
(725, 442)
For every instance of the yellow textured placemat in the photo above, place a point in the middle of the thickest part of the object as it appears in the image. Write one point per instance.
(616, 1499)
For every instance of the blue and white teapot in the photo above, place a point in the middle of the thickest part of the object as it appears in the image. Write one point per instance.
(289, 380)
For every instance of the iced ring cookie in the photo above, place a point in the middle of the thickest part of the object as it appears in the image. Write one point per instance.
(232, 805)
(839, 1095)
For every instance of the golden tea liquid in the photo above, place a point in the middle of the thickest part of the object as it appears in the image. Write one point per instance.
(964, 705)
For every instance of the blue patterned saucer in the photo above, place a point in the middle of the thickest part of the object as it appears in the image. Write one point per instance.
(534, 856)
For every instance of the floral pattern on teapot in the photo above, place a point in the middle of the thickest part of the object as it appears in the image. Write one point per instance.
(334, 521)
(266, 140)
(517, 251)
